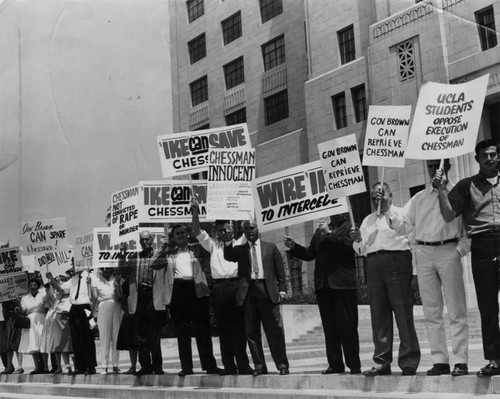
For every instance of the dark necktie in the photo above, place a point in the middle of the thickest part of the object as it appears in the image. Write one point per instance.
(255, 263)
(78, 288)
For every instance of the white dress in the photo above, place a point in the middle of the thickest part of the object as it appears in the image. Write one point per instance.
(34, 306)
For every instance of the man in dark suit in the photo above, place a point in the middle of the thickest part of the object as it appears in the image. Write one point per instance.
(261, 286)
(336, 285)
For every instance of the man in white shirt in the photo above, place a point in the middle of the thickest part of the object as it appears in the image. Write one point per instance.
(80, 314)
(439, 246)
(389, 279)
(229, 317)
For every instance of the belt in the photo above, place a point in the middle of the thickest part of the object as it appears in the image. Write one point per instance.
(257, 280)
(225, 280)
(436, 243)
(387, 251)
(145, 287)
(183, 280)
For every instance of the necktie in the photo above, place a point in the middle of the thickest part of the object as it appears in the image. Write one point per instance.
(78, 288)
(255, 264)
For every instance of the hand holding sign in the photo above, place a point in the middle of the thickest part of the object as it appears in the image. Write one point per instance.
(289, 242)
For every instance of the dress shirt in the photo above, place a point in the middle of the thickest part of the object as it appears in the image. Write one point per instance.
(422, 217)
(478, 201)
(259, 260)
(103, 289)
(72, 285)
(221, 268)
(144, 270)
(181, 261)
(386, 239)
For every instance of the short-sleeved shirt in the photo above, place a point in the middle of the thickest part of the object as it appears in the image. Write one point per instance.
(478, 201)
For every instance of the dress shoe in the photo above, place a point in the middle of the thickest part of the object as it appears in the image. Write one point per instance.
(333, 370)
(215, 370)
(408, 371)
(459, 370)
(355, 371)
(52, 370)
(228, 372)
(8, 371)
(35, 371)
(131, 370)
(258, 372)
(284, 371)
(246, 371)
(76, 372)
(158, 371)
(90, 371)
(144, 371)
(19, 371)
(380, 370)
(439, 369)
(183, 373)
(489, 371)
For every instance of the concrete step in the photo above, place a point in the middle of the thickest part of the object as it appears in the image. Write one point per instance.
(242, 387)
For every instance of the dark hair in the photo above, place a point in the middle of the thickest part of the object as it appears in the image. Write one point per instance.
(176, 226)
(219, 222)
(485, 144)
(35, 280)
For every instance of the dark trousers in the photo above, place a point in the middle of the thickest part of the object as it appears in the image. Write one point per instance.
(148, 326)
(82, 338)
(258, 309)
(484, 250)
(389, 291)
(339, 315)
(231, 325)
(190, 313)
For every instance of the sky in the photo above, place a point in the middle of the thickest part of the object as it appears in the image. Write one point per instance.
(85, 92)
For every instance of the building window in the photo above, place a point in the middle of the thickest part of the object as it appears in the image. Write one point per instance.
(234, 73)
(203, 127)
(273, 52)
(197, 48)
(195, 9)
(486, 24)
(358, 95)
(231, 28)
(339, 110)
(199, 91)
(276, 107)
(406, 61)
(239, 116)
(346, 44)
(269, 9)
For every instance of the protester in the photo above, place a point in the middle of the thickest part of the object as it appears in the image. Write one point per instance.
(127, 336)
(261, 286)
(229, 317)
(56, 337)
(34, 306)
(438, 247)
(187, 297)
(109, 314)
(145, 303)
(335, 283)
(477, 200)
(9, 337)
(80, 317)
(390, 282)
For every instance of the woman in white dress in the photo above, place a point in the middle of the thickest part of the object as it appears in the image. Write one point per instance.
(56, 337)
(34, 306)
(109, 316)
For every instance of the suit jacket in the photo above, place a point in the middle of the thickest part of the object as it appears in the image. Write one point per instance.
(335, 264)
(272, 262)
(128, 269)
(166, 261)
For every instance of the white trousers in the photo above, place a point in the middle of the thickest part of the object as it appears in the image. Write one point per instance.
(440, 273)
(108, 321)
